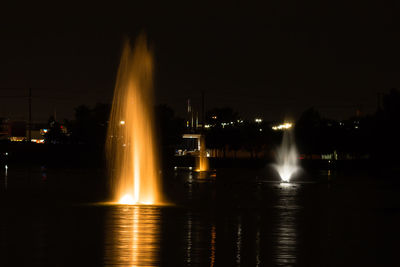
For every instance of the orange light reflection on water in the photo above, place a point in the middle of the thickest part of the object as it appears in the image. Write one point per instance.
(134, 236)
(213, 245)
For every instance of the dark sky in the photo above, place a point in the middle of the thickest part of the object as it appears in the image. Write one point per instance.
(273, 59)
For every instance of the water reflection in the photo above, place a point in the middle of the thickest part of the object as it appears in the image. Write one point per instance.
(258, 240)
(190, 185)
(238, 242)
(269, 225)
(5, 177)
(189, 240)
(200, 241)
(286, 231)
(213, 245)
(133, 236)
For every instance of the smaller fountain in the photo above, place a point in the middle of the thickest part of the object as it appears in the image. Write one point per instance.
(202, 163)
(287, 157)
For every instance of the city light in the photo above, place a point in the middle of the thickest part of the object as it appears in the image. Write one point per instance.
(283, 126)
(37, 141)
(17, 138)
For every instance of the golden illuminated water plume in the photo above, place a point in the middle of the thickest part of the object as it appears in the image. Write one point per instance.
(202, 164)
(130, 140)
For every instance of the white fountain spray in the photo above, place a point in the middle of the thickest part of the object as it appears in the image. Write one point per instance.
(287, 157)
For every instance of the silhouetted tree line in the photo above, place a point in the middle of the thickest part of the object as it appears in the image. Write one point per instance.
(169, 127)
(228, 132)
(89, 127)
(375, 136)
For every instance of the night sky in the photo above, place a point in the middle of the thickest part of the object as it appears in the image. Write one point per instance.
(271, 60)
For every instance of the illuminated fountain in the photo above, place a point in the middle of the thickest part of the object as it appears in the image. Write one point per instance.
(287, 157)
(130, 139)
(202, 162)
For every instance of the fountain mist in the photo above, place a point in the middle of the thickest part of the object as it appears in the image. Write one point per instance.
(287, 157)
(130, 138)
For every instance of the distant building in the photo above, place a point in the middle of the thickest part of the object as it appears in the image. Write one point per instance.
(3, 129)
(190, 145)
(17, 131)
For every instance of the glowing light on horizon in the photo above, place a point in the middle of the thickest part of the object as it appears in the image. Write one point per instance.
(283, 126)
(37, 141)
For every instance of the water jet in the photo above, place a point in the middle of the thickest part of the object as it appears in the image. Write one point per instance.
(202, 161)
(287, 157)
(130, 145)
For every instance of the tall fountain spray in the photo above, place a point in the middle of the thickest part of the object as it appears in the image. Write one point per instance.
(130, 139)
(287, 157)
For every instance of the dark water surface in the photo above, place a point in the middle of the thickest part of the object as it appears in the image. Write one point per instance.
(235, 217)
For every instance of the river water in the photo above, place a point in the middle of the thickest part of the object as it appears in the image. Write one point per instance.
(233, 217)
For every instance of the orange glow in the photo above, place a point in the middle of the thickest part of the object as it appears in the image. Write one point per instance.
(130, 141)
(135, 236)
(37, 141)
(127, 200)
(202, 164)
(17, 139)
